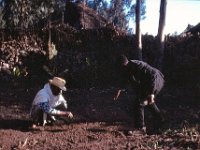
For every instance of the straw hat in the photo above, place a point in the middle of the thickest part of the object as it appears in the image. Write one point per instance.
(59, 82)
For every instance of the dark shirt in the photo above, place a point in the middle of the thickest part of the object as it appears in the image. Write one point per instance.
(145, 78)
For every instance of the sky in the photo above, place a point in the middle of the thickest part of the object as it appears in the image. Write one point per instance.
(179, 14)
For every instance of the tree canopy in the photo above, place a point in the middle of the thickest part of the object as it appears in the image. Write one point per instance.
(27, 13)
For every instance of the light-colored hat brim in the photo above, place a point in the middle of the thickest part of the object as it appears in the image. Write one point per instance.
(60, 87)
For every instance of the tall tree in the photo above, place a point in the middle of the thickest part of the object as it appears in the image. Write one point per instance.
(138, 32)
(100, 6)
(131, 10)
(117, 14)
(160, 35)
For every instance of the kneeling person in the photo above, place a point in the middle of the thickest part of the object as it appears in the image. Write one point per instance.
(47, 102)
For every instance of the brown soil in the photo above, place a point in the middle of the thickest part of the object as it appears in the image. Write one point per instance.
(99, 122)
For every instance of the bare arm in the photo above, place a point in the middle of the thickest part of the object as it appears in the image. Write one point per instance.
(49, 110)
(65, 113)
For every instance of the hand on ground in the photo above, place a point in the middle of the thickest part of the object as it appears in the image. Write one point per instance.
(70, 115)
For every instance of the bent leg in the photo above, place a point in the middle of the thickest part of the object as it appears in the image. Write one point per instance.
(139, 114)
(156, 114)
(37, 115)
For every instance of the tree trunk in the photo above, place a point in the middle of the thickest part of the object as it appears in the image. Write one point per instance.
(83, 14)
(160, 35)
(138, 32)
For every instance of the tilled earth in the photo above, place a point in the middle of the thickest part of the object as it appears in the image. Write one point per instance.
(99, 122)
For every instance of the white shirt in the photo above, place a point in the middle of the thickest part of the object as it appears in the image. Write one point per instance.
(45, 95)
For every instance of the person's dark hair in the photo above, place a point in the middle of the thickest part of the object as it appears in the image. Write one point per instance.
(121, 59)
